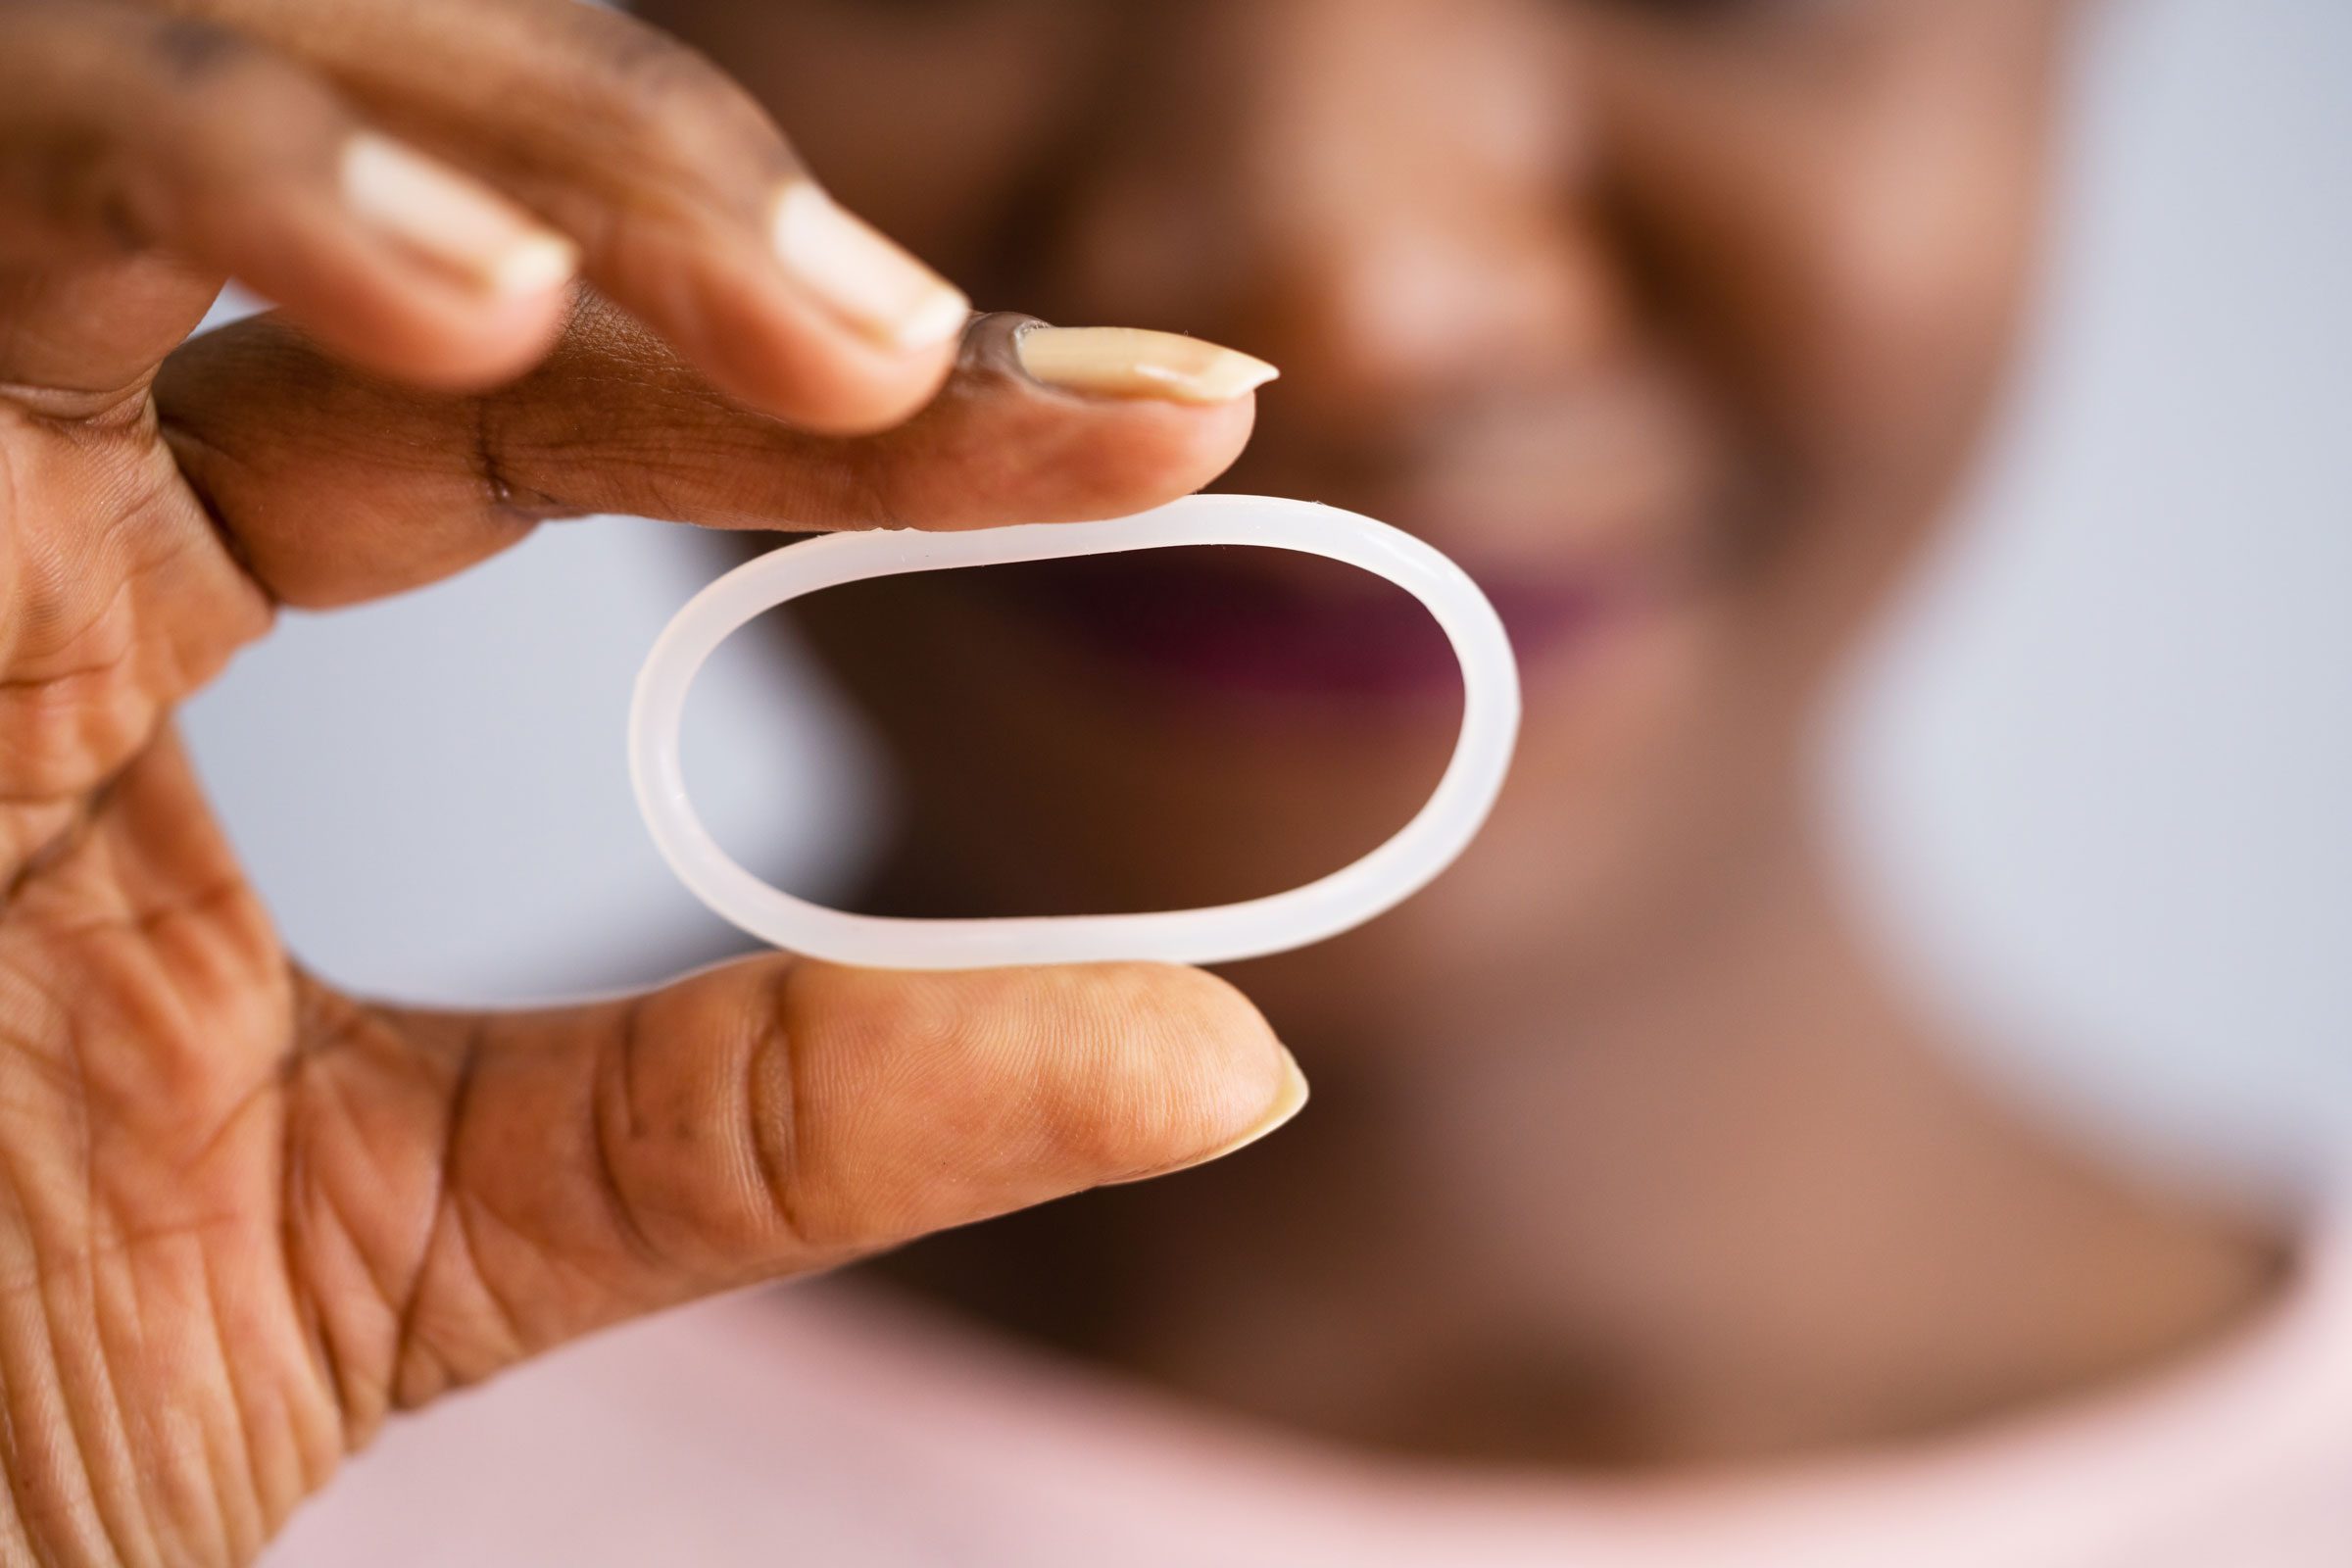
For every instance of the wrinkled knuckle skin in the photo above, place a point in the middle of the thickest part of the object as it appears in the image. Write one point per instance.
(216, 110)
(685, 117)
(84, 164)
(212, 74)
(699, 1129)
(775, 1106)
(190, 52)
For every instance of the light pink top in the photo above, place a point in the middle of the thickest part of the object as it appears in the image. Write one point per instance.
(834, 1428)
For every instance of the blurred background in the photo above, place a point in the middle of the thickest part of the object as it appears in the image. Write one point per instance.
(2115, 848)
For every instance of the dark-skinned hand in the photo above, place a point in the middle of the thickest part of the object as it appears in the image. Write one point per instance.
(245, 1217)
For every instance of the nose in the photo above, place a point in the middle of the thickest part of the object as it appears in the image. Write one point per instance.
(1387, 198)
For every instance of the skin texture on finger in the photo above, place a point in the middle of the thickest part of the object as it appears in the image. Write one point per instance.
(528, 1178)
(144, 158)
(263, 423)
(672, 177)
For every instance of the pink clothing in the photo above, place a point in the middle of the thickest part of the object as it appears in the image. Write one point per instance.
(832, 1427)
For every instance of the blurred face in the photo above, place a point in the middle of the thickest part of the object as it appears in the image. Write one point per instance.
(1672, 320)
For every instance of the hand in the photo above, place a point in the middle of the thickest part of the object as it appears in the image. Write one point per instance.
(244, 1217)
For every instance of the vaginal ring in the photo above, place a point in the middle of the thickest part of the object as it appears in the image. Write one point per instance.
(1322, 909)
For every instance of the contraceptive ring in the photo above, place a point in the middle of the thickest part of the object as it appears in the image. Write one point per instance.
(1324, 907)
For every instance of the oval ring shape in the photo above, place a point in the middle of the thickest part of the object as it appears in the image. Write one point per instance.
(1322, 909)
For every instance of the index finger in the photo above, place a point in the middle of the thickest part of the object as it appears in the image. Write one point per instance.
(1036, 425)
(304, 482)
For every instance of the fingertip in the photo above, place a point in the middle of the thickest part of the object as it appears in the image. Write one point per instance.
(1194, 446)
(789, 362)
(859, 275)
(831, 388)
(728, 309)
(1290, 1098)
(394, 313)
(442, 345)
(1209, 1055)
(1137, 1068)
(451, 222)
(961, 1095)
(1110, 421)
(1080, 460)
(408, 266)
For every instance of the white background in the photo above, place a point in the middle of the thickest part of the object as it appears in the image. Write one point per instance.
(2097, 780)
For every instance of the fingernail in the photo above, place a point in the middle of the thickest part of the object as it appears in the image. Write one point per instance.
(1288, 1099)
(453, 220)
(1125, 362)
(861, 275)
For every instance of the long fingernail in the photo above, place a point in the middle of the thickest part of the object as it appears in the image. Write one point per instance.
(1290, 1099)
(1125, 362)
(452, 220)
(859, 274)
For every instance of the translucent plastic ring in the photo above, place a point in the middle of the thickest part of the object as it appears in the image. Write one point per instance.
(1324, 907)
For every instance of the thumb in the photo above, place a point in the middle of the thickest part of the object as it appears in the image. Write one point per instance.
(467, 1191)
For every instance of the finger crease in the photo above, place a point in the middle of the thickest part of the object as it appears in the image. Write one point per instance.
(411, 1307)
(776, 1133)
(610, 1100)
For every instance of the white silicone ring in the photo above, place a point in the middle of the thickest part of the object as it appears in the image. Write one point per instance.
(1322, 909)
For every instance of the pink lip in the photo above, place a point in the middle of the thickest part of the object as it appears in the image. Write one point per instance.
(1205, 623)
